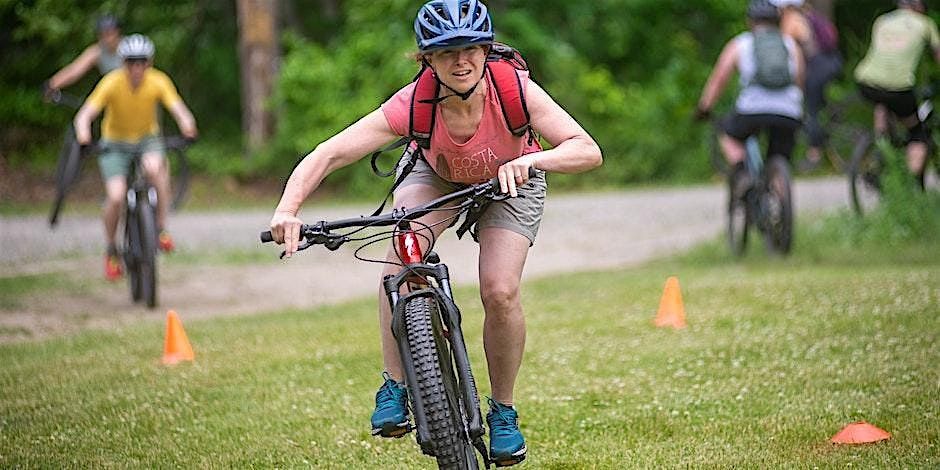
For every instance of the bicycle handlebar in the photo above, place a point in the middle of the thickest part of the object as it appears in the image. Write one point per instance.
(319, 233)
(58, 97)
(173, 142)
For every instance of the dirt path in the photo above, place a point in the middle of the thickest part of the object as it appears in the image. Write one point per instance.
(579, 232)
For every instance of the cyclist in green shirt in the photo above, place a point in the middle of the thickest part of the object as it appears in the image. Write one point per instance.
(886, 76)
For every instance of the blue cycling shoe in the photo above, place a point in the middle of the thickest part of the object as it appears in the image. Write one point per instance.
(390, 418)
(507, 446)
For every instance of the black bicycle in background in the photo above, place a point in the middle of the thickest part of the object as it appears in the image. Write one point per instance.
(765, 204)
(840, 120)
(866, 171)
(140, 225)
(70, 162)
(425, 321)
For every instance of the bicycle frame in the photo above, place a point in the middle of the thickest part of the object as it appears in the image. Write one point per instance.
(764, 206)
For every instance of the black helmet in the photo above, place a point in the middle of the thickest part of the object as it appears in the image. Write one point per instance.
(919, 4)
(763, 10)
(106, 22)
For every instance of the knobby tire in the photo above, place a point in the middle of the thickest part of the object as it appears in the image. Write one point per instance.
(778, 206)
(738, 220)
(67, 172)
(180, 175)
(865, 175)
(437, 383)
(132, 253)
(147, 264)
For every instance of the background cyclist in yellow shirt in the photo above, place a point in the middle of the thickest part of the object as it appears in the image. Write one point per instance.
(129, 96)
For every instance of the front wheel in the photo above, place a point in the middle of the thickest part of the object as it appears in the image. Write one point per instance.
(777, 207)
(865, 176)
(437, 384)
(147, 263)
(66, 174)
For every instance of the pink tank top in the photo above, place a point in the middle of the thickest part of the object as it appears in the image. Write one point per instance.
(476, 160)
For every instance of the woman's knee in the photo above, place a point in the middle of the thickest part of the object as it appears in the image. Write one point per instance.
(500, 298)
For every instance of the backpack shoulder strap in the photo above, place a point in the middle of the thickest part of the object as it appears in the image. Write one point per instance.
(508, 87)
(502, 65)
(423, 107)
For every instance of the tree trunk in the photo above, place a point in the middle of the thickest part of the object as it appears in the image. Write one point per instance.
(258, 55)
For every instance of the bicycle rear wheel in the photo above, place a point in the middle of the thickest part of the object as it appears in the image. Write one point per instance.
(865, 176)
(738, 220)
(147, 263)
(437, 383)
(179, 170)
(777, 206)
(842, 131)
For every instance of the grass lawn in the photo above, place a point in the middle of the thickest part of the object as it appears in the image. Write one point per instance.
(778, 356)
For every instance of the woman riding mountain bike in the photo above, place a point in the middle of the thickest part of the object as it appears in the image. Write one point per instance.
(469, 142)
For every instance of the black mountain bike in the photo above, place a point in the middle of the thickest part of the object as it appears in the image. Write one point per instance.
(69, 165)
(868, 160)
(840, 120)
(426, 322)
(767, 204)
(140, 227)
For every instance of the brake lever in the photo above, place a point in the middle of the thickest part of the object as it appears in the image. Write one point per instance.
(303, 246)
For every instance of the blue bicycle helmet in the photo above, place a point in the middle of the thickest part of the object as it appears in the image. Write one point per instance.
(450, 23)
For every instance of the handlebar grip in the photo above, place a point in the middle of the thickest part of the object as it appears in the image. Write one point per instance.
(266, 237)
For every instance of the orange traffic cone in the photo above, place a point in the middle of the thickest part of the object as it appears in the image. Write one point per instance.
(176, 347)
(671, 312)
(860, 433)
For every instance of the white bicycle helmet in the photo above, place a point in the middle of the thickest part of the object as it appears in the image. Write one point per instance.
(136, 46)
(787, 3)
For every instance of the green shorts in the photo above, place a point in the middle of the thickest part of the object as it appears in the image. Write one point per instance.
(116, 156)
(521, 215)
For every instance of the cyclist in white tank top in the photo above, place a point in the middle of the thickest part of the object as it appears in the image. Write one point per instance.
(102, 54)
(776, 110)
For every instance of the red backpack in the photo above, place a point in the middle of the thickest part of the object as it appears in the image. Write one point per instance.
(501, 65)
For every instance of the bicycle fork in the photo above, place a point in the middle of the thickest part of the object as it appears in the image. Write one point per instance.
(414, 271)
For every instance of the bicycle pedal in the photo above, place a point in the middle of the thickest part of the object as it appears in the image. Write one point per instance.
(509, 462)
(513, 459)
(396, 431)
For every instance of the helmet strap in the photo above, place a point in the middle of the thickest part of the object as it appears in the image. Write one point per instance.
(463, 96)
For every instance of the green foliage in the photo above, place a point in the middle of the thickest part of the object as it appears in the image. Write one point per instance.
(906, 212)
(195, 45)
(629, 71)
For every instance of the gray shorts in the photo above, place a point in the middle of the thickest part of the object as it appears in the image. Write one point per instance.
(116, 156)
(521, 215)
